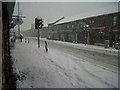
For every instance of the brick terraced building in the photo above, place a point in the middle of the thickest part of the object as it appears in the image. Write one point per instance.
(100, 28)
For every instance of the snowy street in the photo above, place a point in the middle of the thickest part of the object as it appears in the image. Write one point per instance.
(63, 66)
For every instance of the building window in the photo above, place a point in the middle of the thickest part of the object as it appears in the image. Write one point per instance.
(67, 26)
(72, 26)
(114, 20)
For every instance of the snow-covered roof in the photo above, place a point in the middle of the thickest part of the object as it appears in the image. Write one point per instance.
(97, 12)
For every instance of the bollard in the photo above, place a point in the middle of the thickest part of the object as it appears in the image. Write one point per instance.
(25, 40)
(28, 40)
(106, 45)
(116, 45)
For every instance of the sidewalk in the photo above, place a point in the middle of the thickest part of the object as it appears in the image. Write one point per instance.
(97, 49)
(37, 69)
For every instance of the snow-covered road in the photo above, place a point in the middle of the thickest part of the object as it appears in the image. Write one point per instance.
(57, 69)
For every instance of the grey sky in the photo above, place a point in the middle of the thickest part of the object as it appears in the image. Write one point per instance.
(51, 11)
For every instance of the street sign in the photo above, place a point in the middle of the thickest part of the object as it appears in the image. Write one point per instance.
(12, 25)
(18, 20)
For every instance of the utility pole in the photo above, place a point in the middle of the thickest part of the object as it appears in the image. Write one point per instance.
(17, 19)
(18, 24)
(76, 36)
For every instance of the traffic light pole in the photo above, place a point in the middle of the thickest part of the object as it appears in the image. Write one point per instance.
(38, 25)
(18, 25)
(38, 38)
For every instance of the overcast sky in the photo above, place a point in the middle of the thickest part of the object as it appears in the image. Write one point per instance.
(51, 11)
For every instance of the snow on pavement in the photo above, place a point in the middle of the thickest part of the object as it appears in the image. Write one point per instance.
(37, 69)
(98, 49)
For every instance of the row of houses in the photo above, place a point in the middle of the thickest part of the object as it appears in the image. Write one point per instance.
(92, 29)
(89, 30)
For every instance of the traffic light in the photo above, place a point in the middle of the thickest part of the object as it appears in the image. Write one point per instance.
(86, 27)
(38, 23)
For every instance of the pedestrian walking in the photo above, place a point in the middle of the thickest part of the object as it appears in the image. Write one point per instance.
(14, 37)
(21, 37)
(12, 43)
(46, 47)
